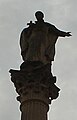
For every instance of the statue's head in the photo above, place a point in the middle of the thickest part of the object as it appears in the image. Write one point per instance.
(39, 15)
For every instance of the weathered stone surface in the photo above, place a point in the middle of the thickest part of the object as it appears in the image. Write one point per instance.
(36, 89)
(35, 78)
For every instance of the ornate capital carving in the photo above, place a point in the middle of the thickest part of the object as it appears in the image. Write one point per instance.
(38, 83)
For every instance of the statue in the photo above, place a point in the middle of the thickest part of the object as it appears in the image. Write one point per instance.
(34, 82)
(38, 41)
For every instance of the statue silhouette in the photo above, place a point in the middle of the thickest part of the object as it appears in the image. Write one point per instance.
(38, 40)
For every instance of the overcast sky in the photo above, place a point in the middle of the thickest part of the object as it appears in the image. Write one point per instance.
(14, 15)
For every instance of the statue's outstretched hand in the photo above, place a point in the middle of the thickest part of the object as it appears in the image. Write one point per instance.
(68, 34)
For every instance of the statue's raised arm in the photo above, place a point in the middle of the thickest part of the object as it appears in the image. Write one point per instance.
(60, 33)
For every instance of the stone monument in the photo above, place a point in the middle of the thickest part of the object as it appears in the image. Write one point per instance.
(34, 82)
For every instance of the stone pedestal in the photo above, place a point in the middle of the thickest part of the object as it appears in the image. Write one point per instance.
(36, 89)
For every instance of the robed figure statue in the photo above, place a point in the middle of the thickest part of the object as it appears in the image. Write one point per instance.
(38, 40)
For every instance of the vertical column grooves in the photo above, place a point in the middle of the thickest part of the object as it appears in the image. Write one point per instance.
(34, 110)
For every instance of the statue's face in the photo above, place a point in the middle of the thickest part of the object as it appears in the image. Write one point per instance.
(39, 15)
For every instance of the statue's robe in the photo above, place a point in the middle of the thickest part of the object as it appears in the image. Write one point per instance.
(37, 42)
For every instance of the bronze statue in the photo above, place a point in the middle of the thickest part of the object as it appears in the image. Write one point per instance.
(37, 44)
(34, 82)
(38, 40)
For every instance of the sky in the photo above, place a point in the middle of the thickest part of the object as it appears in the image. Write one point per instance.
(14, 15)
